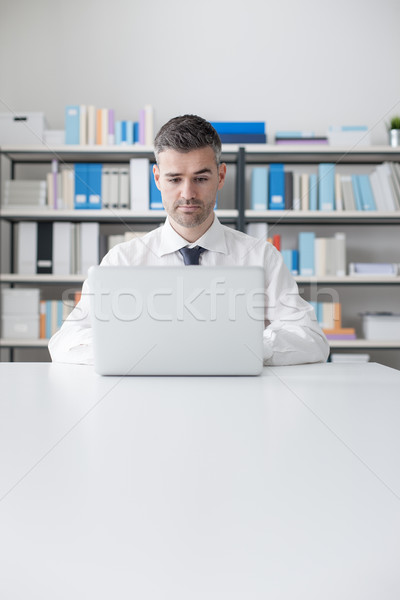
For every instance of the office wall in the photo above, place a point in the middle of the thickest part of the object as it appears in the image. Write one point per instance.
(293, 64)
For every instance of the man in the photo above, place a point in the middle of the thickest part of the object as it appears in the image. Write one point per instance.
(189, 174)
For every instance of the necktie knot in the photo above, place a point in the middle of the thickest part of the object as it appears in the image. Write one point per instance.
(191, 256)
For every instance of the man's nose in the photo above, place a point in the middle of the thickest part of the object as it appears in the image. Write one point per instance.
(187, 190)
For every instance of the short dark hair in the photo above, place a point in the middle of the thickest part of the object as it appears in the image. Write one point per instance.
(186, 133)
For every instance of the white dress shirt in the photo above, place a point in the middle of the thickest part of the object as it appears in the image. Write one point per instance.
(292, 335)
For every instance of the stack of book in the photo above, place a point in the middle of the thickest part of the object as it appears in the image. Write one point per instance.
(97, 186)
(20, 313)
(329, 316)
(59, 248)
(25, 193)
(274, 188)
(53, 314)
(346, 358)
(234, 132)
(375, 269)
(119, 238)
(88, 125)
(300, 138)
(322, 256)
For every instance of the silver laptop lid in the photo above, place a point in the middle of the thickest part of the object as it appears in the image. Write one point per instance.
(177, 320)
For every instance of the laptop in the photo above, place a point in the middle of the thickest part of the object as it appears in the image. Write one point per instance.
(187, 320)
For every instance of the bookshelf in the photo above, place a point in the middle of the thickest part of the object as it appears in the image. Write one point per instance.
(16, 161)
(372, 236)
(243, 159)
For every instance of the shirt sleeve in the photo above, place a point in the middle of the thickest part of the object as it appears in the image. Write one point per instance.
(72, 343)
(293, 335)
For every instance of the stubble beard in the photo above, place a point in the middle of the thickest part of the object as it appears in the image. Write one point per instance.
(190, 220)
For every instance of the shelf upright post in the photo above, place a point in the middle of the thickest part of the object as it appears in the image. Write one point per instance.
(240, 188)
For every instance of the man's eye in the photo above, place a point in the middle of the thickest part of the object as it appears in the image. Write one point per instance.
(173, 180)
(201, 179)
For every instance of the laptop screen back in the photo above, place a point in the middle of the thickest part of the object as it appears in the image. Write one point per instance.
(177, 320)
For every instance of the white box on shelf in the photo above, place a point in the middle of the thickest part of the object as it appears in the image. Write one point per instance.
(381, 326)
(21, 128)
(20, 301)
(54, 137)
(20, 327)
(348, 137)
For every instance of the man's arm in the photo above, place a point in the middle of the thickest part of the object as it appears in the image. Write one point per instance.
(293, 335)
(73, 342)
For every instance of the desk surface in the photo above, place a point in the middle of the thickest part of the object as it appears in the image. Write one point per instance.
(284, 486)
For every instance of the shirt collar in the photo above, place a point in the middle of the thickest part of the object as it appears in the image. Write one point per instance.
(213, 239)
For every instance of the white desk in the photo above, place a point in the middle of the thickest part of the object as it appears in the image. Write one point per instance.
(280, 487)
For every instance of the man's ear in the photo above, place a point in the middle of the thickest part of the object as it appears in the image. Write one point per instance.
(156, 173)
(221, 175)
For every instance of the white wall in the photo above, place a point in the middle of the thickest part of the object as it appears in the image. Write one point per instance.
(293, 64)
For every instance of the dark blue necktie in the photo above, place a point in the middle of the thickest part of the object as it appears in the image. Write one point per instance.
(191, 256)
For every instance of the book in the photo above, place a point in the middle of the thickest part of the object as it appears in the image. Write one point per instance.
(258, 230)
(25, 193)
(299, 137)
(306, 253)
(62, 248)
(72, 125)
(384, 174)
(82, 125)
(123, 187)
(326, 186)
(91, 125)
(44, 259)
(320, 249)
(349, 357)
(88, 246)
(296, 205)
(294, 134)
(348, 194)
(155, 194)
(385, 269)
(80, 185)
(94, 185)
(113, 186)
(276, 187)
(88, 178)
(25, 247)
(338, 192)
(304, 191)
(237, 127)
(276, 241)
(105, 186)
(259, 188)
(54, 184)
(287, 256)
(340, 334)
(140, 184)
(367, 196)
(111, 127)
(243, 138)
(313, 189)
(288, 190)
(357, 192)
(99, 127)
(340, 254)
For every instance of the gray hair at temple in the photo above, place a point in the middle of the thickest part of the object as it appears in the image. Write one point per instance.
(186, 133)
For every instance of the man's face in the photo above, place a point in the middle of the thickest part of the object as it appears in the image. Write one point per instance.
(189, 182)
